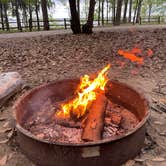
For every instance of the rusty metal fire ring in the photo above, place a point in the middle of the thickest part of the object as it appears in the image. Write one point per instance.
(113, 151)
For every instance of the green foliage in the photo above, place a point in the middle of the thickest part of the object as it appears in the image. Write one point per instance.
(157, 7)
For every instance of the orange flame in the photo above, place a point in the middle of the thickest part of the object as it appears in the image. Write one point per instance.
(131, 55)
(86, 93)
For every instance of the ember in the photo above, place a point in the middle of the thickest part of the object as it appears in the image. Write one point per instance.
(116, 121)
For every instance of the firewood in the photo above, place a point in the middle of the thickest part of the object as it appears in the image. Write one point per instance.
(10, 84)
(95, 119)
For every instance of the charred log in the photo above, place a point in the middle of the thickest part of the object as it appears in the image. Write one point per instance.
(95, 120)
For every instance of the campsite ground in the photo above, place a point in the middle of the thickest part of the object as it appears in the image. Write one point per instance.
(52, 56)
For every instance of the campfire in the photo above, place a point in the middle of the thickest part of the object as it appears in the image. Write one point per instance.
(88, 106)
(87, 117)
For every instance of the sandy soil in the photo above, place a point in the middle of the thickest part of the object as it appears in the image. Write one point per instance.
(45, 58)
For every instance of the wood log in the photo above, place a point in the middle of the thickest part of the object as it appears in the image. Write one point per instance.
(10, 83)
(94, 124)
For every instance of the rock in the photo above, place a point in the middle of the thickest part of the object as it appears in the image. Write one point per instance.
(10, 83)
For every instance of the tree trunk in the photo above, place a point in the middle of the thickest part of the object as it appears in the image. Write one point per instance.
(99, 12)
(125, 11)
(130, 9)
(6, 16)
(139, 11)
(45, 14)
(87, 28)
(25, 18)
(150, 10)
(30, 18)
(78, 8)
(118, 12)
(18, 16)
(107, 10)
(37, 15)
(86, 10)
(113, 12)
(75, 21)
(102, 12)
(1, 13)
(135, 12)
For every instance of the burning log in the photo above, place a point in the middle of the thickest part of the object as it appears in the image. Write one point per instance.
(95, 119)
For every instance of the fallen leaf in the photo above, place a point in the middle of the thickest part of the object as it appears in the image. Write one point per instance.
(163, 134)
(158, 159)
(4, 141)
(3, 160)
(2, 119)
(10, 134)
(5, 130)
(162, 100)
(10, 155)
(158, 123)
(130, 163)
(6, 124)
(148, 164)
(140, 160)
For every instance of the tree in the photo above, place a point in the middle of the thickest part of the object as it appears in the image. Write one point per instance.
(139, 11)
(75, 21)
(99, 11)
(87, 28)
(130, 10)
(135, 11)
(45, 14)
(6, 16)
(147, 8)
(16, 4)
(25, 13)
(102, 12)
(2, 16)
(150, 11)
(113, 11)
(78, 8)
(30, 15)
(118, 12)
(37, 8)
(107, 10)
(125, 11)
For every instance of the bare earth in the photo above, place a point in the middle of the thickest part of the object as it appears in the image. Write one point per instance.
(47, 57)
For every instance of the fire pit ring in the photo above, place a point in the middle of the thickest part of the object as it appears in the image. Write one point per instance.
(113, 151)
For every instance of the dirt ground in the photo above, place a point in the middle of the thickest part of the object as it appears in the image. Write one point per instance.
(45, 58)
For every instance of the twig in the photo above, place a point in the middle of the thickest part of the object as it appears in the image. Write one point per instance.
(156, 109)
